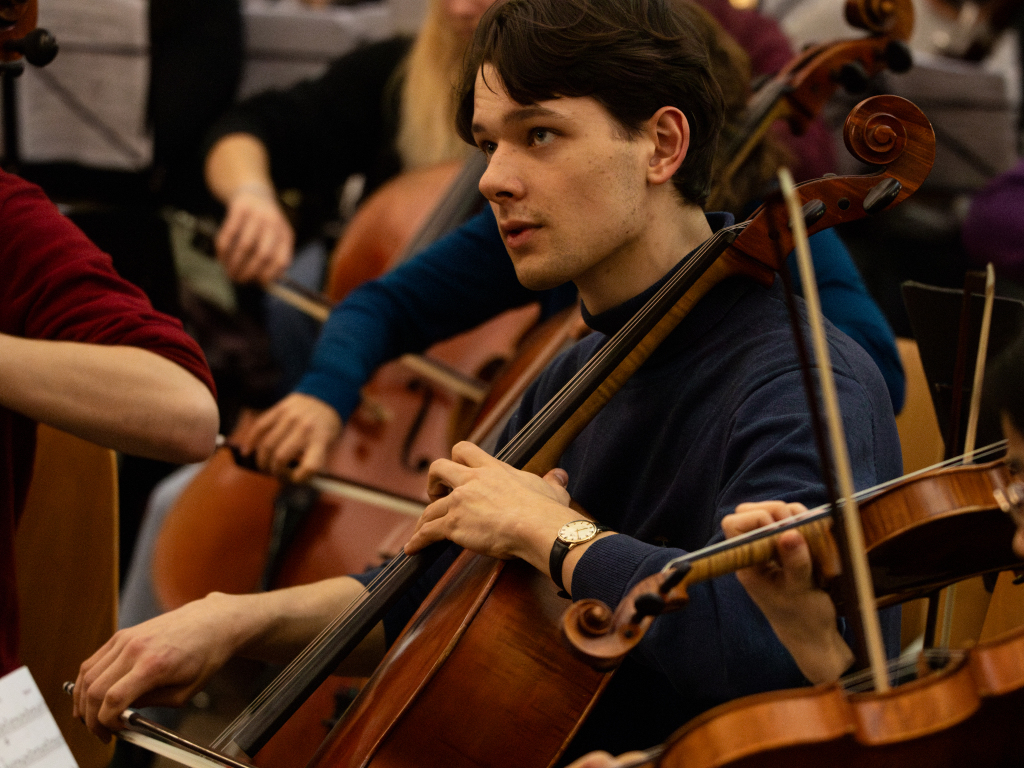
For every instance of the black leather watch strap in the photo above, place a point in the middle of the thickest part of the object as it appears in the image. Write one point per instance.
(558, 552)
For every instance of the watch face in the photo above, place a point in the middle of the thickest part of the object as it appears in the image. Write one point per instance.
(577, 531)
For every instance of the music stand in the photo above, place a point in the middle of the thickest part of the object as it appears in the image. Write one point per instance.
(935, 320)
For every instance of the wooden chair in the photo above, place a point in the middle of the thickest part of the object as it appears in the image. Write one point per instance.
(922, 446)
(977, 615)
(67, 570)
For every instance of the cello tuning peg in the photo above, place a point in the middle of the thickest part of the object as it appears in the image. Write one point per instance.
(881, 195)
(897, 56)
(38, 47)
(812, 212)
(853, 76)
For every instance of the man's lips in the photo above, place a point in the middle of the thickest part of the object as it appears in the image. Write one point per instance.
(517, 233)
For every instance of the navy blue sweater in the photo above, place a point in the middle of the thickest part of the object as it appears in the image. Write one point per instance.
(715, 417)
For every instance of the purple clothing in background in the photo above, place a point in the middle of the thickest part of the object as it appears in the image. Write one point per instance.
(770, 50)
(994, 227)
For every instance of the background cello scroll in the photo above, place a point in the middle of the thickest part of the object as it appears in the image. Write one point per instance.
(799, 92)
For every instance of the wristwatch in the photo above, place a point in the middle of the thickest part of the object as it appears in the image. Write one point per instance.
(569, 535)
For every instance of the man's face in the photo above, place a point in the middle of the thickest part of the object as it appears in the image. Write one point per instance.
(566, 186)
(1015, 461)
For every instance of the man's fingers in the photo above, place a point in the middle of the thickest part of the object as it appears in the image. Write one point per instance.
(429, 528)
(268, 449)
(311, 461)
(444, 475)
(224, 240)
(558, 478)
(795, 558)
(771, 507)
(745, 521)
(471, 455)
(255, 432)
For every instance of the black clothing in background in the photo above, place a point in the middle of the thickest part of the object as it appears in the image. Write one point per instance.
(196, 50)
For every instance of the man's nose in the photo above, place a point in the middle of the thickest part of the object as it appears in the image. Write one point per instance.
(501, 181)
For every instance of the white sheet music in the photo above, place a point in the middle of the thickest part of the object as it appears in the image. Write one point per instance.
(29, 737)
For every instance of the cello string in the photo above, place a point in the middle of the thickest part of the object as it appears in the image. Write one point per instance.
(299, 664)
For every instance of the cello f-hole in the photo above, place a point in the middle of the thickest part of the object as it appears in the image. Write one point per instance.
(422, 463)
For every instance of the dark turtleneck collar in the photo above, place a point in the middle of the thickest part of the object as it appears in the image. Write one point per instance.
(611, 320)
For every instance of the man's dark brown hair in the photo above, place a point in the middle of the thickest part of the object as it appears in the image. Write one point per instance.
(632, 56)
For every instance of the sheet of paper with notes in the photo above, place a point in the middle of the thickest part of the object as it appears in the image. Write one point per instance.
(29, 737)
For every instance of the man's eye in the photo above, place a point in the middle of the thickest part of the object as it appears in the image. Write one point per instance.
(488, 147)
(539, 136)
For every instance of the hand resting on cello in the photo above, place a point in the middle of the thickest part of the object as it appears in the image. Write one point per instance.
(292, 438)
(487, 506)
(166, 660)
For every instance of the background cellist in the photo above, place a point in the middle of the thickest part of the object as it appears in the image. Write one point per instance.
(598, 119)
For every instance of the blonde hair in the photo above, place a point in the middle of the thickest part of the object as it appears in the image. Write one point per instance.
(426, 127)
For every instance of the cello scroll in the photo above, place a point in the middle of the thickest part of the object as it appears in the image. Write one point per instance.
(882, 130)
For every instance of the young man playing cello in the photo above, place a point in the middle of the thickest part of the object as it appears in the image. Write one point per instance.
(598, 119)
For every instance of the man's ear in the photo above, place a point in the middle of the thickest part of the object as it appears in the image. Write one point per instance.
(670, 131)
